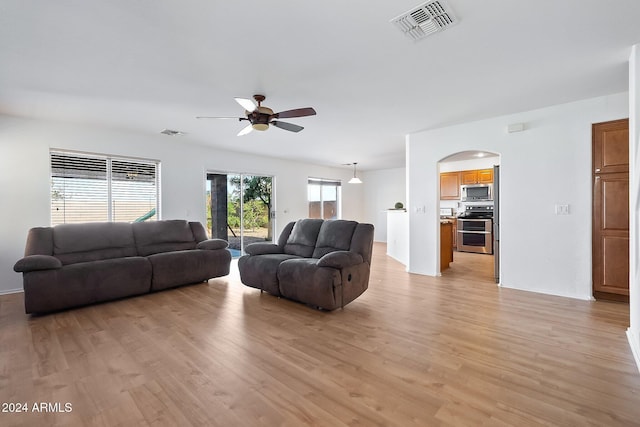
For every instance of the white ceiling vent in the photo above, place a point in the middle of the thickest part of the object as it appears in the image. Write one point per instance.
(171, 132)
(425, 19)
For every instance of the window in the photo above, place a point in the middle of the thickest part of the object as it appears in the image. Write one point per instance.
(91, 188)
(324, 198)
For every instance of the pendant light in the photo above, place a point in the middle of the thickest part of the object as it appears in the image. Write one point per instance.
(355, 179)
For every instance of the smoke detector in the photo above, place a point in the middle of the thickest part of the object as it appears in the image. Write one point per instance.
(426, 19)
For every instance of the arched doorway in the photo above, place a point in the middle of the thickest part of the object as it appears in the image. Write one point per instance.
(469, 202)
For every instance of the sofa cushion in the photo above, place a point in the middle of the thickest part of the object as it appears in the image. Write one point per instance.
(334, 236)
(171, 269)
(163, 236)
(73, 243)
(302, 240)
(261, 271)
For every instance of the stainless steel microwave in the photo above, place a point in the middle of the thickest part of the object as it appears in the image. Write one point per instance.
(476, 192)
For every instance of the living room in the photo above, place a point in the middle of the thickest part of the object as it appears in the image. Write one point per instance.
(554, 145)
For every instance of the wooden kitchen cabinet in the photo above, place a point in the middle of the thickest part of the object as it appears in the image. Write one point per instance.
(469, 177)
(485, 176)
(450, 186)
(477, 176)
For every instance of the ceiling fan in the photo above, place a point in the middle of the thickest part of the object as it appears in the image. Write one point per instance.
(260, 117)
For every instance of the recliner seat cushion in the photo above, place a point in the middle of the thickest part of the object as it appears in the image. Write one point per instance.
(261, 271)
(171, 269)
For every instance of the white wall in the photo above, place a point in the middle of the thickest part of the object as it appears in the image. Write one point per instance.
(633, 332)
(471, 164)
(25, 180)
(547, 164)
(382, 189)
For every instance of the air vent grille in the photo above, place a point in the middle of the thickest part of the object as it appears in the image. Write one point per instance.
(425, 19)
(171, 132)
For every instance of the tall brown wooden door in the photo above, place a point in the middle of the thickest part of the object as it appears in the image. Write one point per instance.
(610, 254)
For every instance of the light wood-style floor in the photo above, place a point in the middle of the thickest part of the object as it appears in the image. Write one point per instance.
(412, 351)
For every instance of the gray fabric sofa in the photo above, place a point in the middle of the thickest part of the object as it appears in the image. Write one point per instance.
(324, 264)
(71, 265)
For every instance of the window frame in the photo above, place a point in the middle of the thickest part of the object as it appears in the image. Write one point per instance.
(325, 182)
(109, 181)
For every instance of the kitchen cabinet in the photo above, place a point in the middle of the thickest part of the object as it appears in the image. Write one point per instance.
(477, 176)
(450, 186)
(446, 247)
(485, 176)
(469, 177)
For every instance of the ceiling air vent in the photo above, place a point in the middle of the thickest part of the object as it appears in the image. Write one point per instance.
(425, 19)
(171, 132)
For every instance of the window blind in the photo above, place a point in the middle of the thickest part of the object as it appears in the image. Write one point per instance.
(91, 188)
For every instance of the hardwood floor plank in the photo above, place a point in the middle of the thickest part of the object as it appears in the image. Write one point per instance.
(413, 350)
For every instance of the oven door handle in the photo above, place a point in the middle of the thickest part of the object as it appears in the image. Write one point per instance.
(474, 232)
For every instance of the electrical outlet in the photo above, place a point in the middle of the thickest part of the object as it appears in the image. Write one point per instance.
(562, 209)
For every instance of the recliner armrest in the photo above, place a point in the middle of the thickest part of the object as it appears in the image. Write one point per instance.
(262, 248)
(340, 259)
(37, 262)
(212, 244)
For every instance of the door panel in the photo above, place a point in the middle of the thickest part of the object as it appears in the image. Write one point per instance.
(615, 201)
(616, 265)
(611, 146)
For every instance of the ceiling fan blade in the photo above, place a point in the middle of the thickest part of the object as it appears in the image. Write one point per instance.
(287, 126)
(209, 117)
(245, 130)
(247, 104)
(298, 112)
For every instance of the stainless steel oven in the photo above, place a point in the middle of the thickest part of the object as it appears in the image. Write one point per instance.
(475, 235)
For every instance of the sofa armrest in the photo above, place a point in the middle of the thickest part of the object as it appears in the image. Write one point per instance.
(213, 244)
(340, 259)
(37, 262)
(262, 248)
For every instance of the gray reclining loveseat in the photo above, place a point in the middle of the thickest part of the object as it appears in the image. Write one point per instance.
(77, 264)
(321, 263)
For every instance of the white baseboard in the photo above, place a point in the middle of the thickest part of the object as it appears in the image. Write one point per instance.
(635, 347)
(10, 291)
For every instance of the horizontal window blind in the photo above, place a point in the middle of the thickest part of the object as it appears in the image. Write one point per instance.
(321, 181)
(133, 191)
(91, 188)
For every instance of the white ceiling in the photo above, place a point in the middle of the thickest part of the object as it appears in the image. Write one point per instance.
(147, 65)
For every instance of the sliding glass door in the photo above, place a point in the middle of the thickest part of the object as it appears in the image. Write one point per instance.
(239, 209)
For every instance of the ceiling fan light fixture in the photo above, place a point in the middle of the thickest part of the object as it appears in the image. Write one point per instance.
(260, 126)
